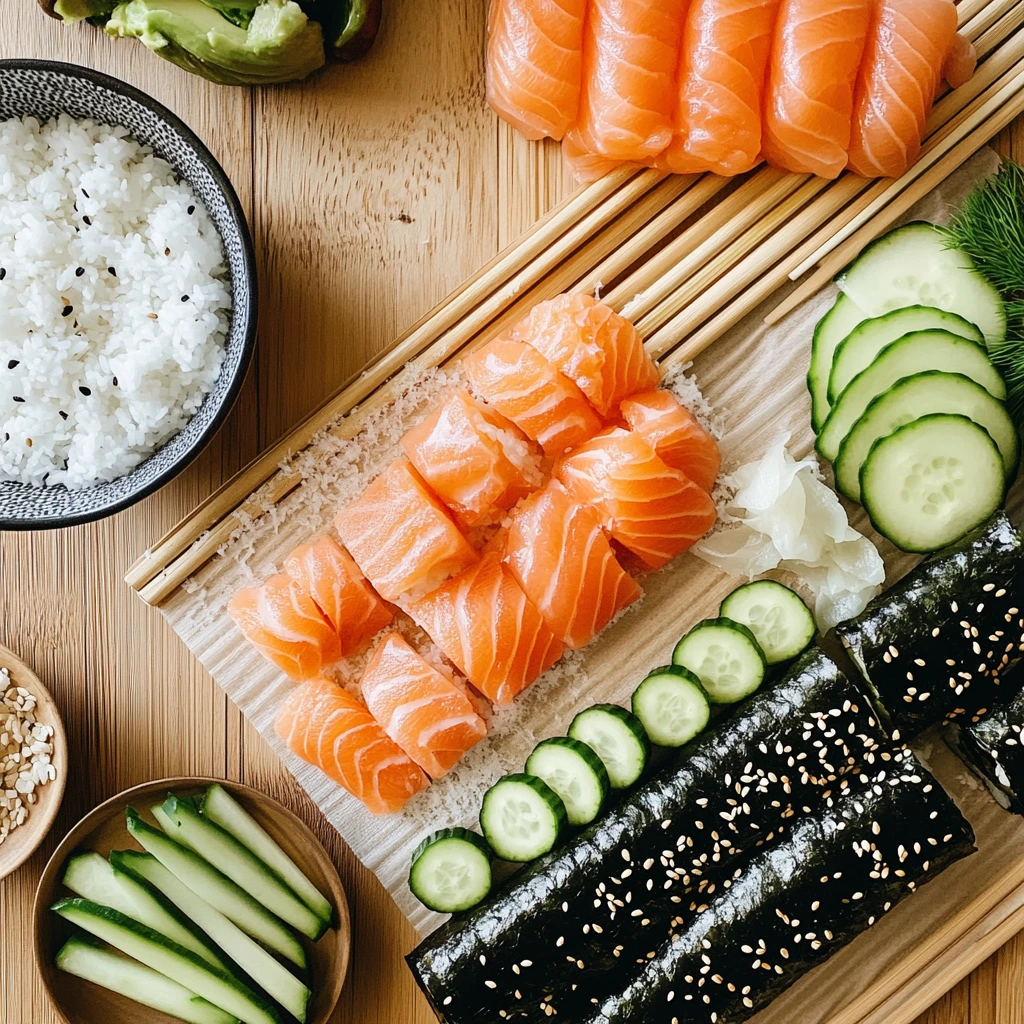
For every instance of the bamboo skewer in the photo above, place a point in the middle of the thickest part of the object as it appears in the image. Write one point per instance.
(967, 9)
(987, 17)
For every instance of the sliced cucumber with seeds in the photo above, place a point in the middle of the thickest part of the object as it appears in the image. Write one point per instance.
(522, 817)
(725, 657)
(780, 621)
(672, 706)
(932, 481)
(451, 870)
(575, 773)
(829, 334)
(618, 738)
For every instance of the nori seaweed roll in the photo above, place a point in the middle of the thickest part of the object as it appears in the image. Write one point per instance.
(796, 903)
(572, 923)
(935, 646)
(995, 748)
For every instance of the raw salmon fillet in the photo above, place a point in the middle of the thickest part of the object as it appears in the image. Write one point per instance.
(630, 55)
(561, 558)
(401, 536)
(420, 708)
(898, 82)
(476, 461)
(651, 509)
(522, 385)
(593, 345)
(283, 623)
(329, 574)
(328, 728)
(816, 55)
(535, 64)
(488, 628)
(675, 434)
(580, 157)
(726, 44)
(960, 63)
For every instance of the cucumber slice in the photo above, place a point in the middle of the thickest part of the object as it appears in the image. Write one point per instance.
(913, 266)
(617, 737)
(218, 890)
(90, 960)
(859, 348)
(273, 977)
(522, 817)
(725, 657)
(921, 395)
(932, 481)
(241, 865)
(169, 959)
(780, 621)
(451, 870)
(913, 353)
(575, 773)
(672, 706)
(829, 334)
(224, 810)
(89, 875)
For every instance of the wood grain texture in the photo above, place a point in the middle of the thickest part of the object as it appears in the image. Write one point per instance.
(372, 192)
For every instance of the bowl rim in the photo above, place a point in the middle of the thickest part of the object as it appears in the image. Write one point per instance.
(249, 310)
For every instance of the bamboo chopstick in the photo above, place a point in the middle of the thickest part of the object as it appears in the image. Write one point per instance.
(967, 9)
(987, 17)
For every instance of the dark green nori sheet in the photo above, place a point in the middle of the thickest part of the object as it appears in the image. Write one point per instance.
(995, 747)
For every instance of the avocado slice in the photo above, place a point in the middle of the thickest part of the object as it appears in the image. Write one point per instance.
(76, 10)
(350, 26)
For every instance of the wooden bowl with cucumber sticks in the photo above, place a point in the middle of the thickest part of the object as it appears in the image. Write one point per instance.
(191, 899)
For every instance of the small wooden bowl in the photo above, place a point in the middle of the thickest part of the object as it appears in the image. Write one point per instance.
(103, 829)
(22, 842)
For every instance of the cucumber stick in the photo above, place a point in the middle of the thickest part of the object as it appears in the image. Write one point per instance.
(273, 977)
(218, 890)
(86, 958)
(241, 865)
(176, 962)
(223, 809)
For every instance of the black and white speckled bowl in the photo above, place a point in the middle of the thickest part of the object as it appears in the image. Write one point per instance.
(44, 89)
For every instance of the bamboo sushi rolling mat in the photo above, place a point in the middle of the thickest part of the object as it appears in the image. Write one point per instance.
(395, 184)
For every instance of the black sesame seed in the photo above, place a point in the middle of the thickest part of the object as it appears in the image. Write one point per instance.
(115, 382)
(86, 194)
(3, 273)
(18, 398)
(112, 271)
(80, 271)
(88, 221)
(63, 414)
(167, 252)
(85, 391)
(191, 210)
(184, 298)
(67, 310)
(12, 364)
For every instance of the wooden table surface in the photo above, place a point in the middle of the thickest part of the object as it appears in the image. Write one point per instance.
(372, 191)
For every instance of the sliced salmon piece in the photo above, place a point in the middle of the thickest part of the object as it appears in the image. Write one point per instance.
(564, 564)
(961, 62)
(329, 574)
(401, 536)
(675, 434)
(724, 64)
(476, 461)
(900, 77)
(488, 628)
(593, 345)
(420, 708)
(535, 64)
(630, 55)
(522, 385)
(816, 55)
(582, 159)
(328, 728)
(282, 621)
(651, 509)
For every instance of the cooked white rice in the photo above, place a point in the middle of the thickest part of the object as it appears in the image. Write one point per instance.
(113, 302)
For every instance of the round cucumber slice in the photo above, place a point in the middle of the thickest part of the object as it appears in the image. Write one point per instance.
(780, 621)
(522, 817)
(725, 657)
(932, 481)
(451, 870)
(672, 706)
(575, 773)
(618, 738)
(829, 334)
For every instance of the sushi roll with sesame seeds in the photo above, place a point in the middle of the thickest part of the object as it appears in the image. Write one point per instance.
(796, 903)
(588, 909)
(994, 747)
(935, 646)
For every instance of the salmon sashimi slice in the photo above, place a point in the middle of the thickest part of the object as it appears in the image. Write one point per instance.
(401, 536)
(961, 62)
(651, 509)
(724, 64)
(282, 621)
(816, 55)
(677, 437)
(485, 625)
(476, 461)
(522, 385)
(585, 164)
(630, 55)
(419, 707)
(901, 75)
(329, 729)
(565, 565)
(593, 345)
(329, 574)
(535, 64)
